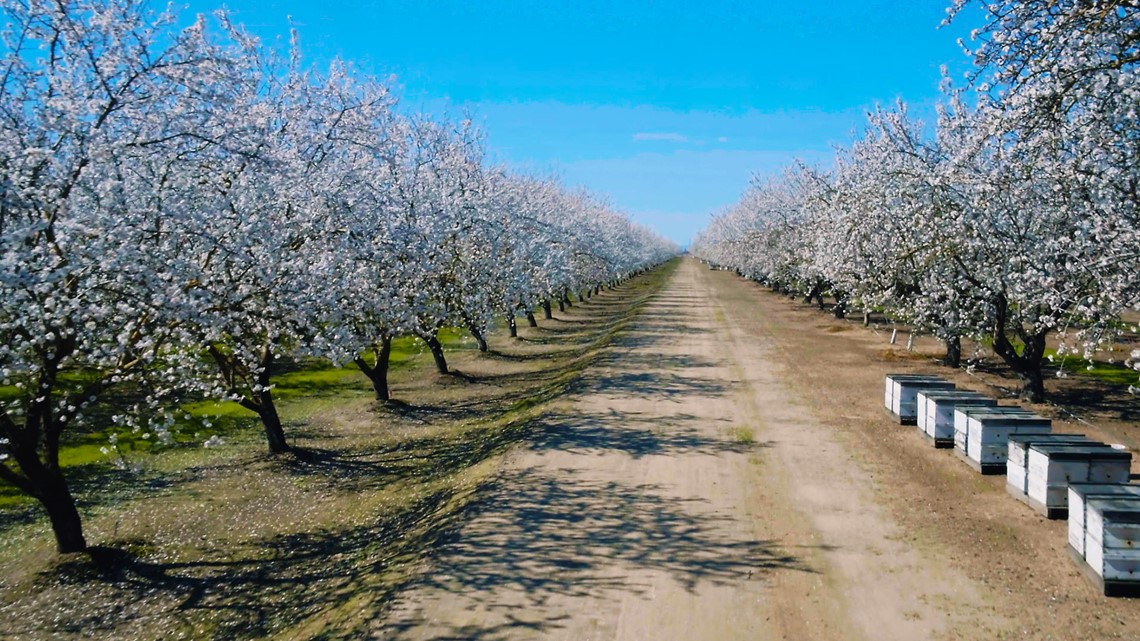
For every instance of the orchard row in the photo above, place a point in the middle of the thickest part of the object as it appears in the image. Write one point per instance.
(1017, 218)
(179, 208)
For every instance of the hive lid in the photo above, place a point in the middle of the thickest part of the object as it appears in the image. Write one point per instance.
(1027, 418)
(952, 394)
(1052, 438)
(1104, 490)
(1080, 451)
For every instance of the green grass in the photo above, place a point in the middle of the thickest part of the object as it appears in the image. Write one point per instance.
(742, 435)
(299, 384)
(1111, 373)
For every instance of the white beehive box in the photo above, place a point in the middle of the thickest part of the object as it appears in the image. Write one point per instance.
(986, 434)
(987, 438)
(962, 422)
(936, 412)
(901, 394)
(1112, 544)
(1017, 461)
(1052, 467)
(1080, 494)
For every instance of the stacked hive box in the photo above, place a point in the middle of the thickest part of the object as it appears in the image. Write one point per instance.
(1052, 467)
(1081, 493)
(901, 394)
(1017, 461)
(962, 423)
(936, 412)
(1112, 544)
(987, 435)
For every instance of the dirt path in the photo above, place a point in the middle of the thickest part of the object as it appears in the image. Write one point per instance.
(688, 492)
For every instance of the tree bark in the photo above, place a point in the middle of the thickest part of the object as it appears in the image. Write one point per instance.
(530, 319)
(274, 432)
(56, 498)
(436, 352)
(512, 326)
(480, 339)
(566, 298)
(866, 317)
(815, 293)
(378, 373)
(840, 309)
(260, 400)
(47, 485)
(1026, 364)
(561, 306)
(546, 313)
(953, 356)
(1033, 385)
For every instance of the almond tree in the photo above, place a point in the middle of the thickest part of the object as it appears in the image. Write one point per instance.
(1049, 165)
(99, 101)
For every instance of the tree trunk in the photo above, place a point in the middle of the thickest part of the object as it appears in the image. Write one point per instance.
(546, 313)
(260, 399)
(512, 326)
(1033, 385)
(580, 298)
(530, 319)
(815, 293)
(65, 521)
(274, 432)
(480, 339)
(261, 403)
(1026, 364)
(561, 306)
(436, 352)
(866, 317)
(953, 356)
(566, 298)
(840, 308)
(48, 485)
(378, 374)
(597, 290)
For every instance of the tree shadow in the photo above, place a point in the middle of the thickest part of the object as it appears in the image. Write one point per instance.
(249, 592)
(635, 434)
(543, 535)
(650, 385)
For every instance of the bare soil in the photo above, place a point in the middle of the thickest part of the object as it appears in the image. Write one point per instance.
(729, 472)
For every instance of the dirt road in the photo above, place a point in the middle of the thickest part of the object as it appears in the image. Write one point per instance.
(690, 492)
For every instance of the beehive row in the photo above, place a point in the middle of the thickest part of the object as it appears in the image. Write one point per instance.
(1058, 475)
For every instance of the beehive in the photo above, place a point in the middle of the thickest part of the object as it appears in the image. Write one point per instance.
(981, 434)
(1080, 494)
(1053, 466)
(1017, 461)
(936, 412)
(901, 394)
(1112, 544)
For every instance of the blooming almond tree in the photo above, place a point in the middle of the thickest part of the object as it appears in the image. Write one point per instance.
(95, 110)
(263, 235)
(1050, 168)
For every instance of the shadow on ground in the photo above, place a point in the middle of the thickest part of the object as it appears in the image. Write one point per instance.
(544, 534)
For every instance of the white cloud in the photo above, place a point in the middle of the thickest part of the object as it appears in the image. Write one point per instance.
(722, 139)
(665, 136)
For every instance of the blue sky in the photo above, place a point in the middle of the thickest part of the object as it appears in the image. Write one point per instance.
(666, 107)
